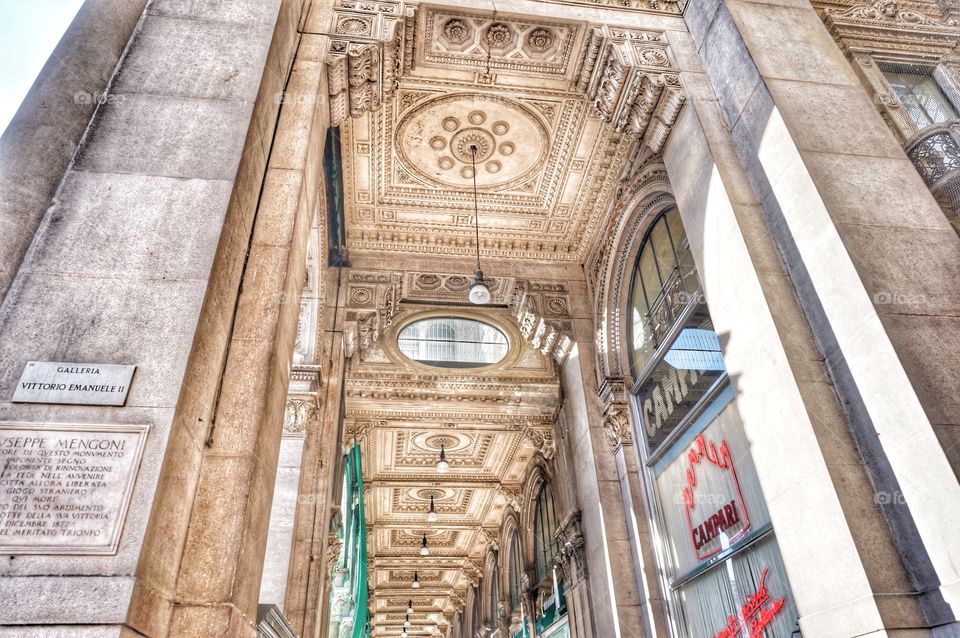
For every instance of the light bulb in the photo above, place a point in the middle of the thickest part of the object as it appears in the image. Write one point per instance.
(406, 623)
(403, 634)
(479, 290)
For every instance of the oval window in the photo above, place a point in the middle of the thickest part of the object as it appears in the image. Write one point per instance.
(452, 342)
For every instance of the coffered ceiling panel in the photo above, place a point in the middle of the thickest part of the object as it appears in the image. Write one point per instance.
(544, 168)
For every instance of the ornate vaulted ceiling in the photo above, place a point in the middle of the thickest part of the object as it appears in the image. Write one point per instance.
(491, 423)
(555, 108)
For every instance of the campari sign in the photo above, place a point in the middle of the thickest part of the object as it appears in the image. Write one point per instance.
(755, 615)
(713, 503)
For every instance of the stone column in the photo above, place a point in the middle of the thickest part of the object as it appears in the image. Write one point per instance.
(314, 543)
(617, 607)
(220, 572)
(42, 137)
(785, 163)
(620, 436)
(572, 565)
(133, 265)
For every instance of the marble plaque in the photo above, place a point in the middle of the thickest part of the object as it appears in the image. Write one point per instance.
(65, 488)
(77, 383)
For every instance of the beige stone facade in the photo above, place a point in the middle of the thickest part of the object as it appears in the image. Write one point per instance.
(721, 243)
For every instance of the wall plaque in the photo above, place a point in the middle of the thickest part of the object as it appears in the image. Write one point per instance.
(65, 488)
(78, 383)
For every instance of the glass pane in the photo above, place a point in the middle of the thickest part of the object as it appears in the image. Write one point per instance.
(750, 589)
(920, 95)
(649, 275)
(642, 343)
(663, 247)
(449, 342)
(684, 375)
(688, 270)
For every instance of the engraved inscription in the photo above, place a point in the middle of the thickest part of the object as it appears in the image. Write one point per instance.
(65, 488)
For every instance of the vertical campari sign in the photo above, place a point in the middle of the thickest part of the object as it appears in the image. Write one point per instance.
(677, 383)
(715, 511)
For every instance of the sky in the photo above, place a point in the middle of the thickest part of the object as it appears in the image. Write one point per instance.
(29, 31)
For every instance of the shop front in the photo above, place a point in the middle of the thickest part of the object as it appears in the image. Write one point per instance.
(718, 553)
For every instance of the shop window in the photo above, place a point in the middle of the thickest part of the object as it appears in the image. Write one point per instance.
(544, 527)
(453, 342)
(921, 96)
(720, 558)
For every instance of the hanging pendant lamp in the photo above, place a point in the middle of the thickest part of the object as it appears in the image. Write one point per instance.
(432, 514)
(424, 550)
(416, 581)
(480, 288)
(442, 466)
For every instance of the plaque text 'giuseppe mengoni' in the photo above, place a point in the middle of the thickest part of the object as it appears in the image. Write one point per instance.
(66, 488)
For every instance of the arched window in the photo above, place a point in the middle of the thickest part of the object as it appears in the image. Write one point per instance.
(516, 570)
(664, 281)
(544, 527)
(494, 618)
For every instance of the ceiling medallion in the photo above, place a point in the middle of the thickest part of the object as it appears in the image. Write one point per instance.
(464, 139)
(434, 140)
(499, 35)
(456, 30)
(437, 441)
(540, 39)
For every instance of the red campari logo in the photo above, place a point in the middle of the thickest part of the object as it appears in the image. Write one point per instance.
(715, 512)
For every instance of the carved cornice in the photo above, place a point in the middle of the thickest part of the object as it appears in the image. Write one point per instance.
(884, 27)
(628, 78)
(372, 300)
(542, 311)
(366, 55)
(451, 287)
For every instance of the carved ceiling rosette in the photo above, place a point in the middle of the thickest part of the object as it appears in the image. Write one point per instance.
(628, 78)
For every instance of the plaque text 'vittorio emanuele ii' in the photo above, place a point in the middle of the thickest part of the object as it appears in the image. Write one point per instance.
(65, 488)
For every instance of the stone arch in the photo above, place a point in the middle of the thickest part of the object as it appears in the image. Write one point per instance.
(640, 198)
(511, 523)
(489, 609)
(538, 475)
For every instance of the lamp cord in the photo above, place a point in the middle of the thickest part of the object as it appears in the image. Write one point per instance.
(476, 207)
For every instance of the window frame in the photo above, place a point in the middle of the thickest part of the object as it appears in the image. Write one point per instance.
(437, 321)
